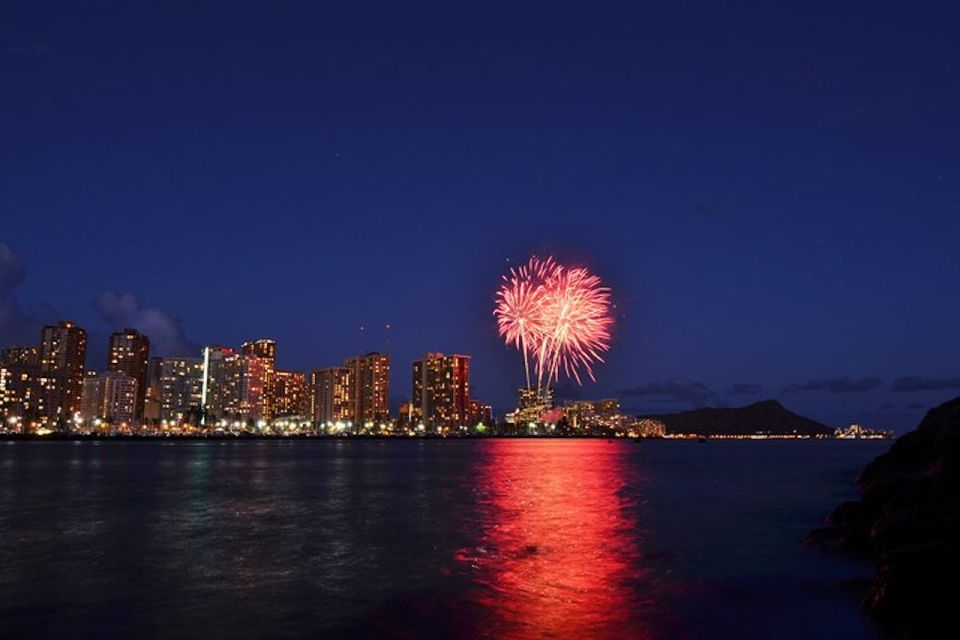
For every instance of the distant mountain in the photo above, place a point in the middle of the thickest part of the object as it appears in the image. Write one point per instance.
(767, 416)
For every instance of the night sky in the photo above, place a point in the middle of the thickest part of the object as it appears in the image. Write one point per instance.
(773, 192)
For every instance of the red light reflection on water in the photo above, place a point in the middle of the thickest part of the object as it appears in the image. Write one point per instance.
(557, 553)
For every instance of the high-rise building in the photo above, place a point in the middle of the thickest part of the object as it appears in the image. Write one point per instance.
(61, 359)
(19, 356)
(370, 375)
(91, 400)
(591, 416)
(19, 395)
(441, 390)
(129, 353)
(9, 404)
(266, 350)
(255, 392)
(18, 382)
(332, 397)
(111, 397)
(234, 386)
(532, 406)
(290, 394)
(177, 385)
(151, 401)
(263, 348)
(120, 394)
(223, 384)
(214, 391)
(479, 413)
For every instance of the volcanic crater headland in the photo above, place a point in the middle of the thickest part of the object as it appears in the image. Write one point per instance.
(764, 417)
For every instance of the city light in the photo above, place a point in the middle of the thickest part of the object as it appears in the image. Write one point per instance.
(557, 316)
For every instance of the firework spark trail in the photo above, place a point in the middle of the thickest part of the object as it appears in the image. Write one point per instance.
(519, 303)
(560, 315)
(576, 310)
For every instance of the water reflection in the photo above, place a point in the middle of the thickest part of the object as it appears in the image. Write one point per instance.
(558, 549)
(420, 539)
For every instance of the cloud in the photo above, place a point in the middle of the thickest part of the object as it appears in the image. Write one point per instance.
(744, 389)
(166, 334)
(837, 385)
(12, 272)
(16, 326)
(696, 393)
(915, 383)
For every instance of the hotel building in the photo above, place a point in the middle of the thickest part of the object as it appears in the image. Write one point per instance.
(441, 391)
(129, 353)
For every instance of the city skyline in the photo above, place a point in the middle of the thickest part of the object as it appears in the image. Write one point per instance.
(651, 397)
(49, 388)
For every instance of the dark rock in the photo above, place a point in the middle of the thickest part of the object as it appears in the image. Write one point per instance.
(908, 520)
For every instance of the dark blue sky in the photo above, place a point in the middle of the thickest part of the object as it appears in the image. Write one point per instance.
(773, 192)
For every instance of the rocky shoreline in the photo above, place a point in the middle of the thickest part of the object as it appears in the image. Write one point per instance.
(908, 521)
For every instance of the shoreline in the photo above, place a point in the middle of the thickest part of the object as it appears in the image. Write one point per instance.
(10, 438)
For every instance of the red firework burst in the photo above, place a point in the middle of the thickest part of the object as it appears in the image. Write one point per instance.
(576, 311)
(560, 315)
(519, 306)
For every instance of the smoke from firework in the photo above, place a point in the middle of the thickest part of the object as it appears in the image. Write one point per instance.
(557, 316)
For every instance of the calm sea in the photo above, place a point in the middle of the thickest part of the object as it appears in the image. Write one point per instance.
(419, 539)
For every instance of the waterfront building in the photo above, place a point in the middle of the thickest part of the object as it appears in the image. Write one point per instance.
(263, 348)
(255, 394)
(479, 413)
(111, 396)
(370, 377)
(222, 379)
(441, 391)
(12, 356)
(860, 432)
(649, 428)
(332, 396)
(91, 399)
(176, 386)
(9, 404)
(266, 350)
(61, 360)
(151, 400)
(18, 383)
(589, 416)
(120, 393)
(290, 394)
(129, 353)
(234, 387)
(532, 407)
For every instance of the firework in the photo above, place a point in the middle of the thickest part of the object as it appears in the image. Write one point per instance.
(559, 315)
(576, 313)
(519, 305)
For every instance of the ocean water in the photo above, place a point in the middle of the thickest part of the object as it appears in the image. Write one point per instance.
(422, 539)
